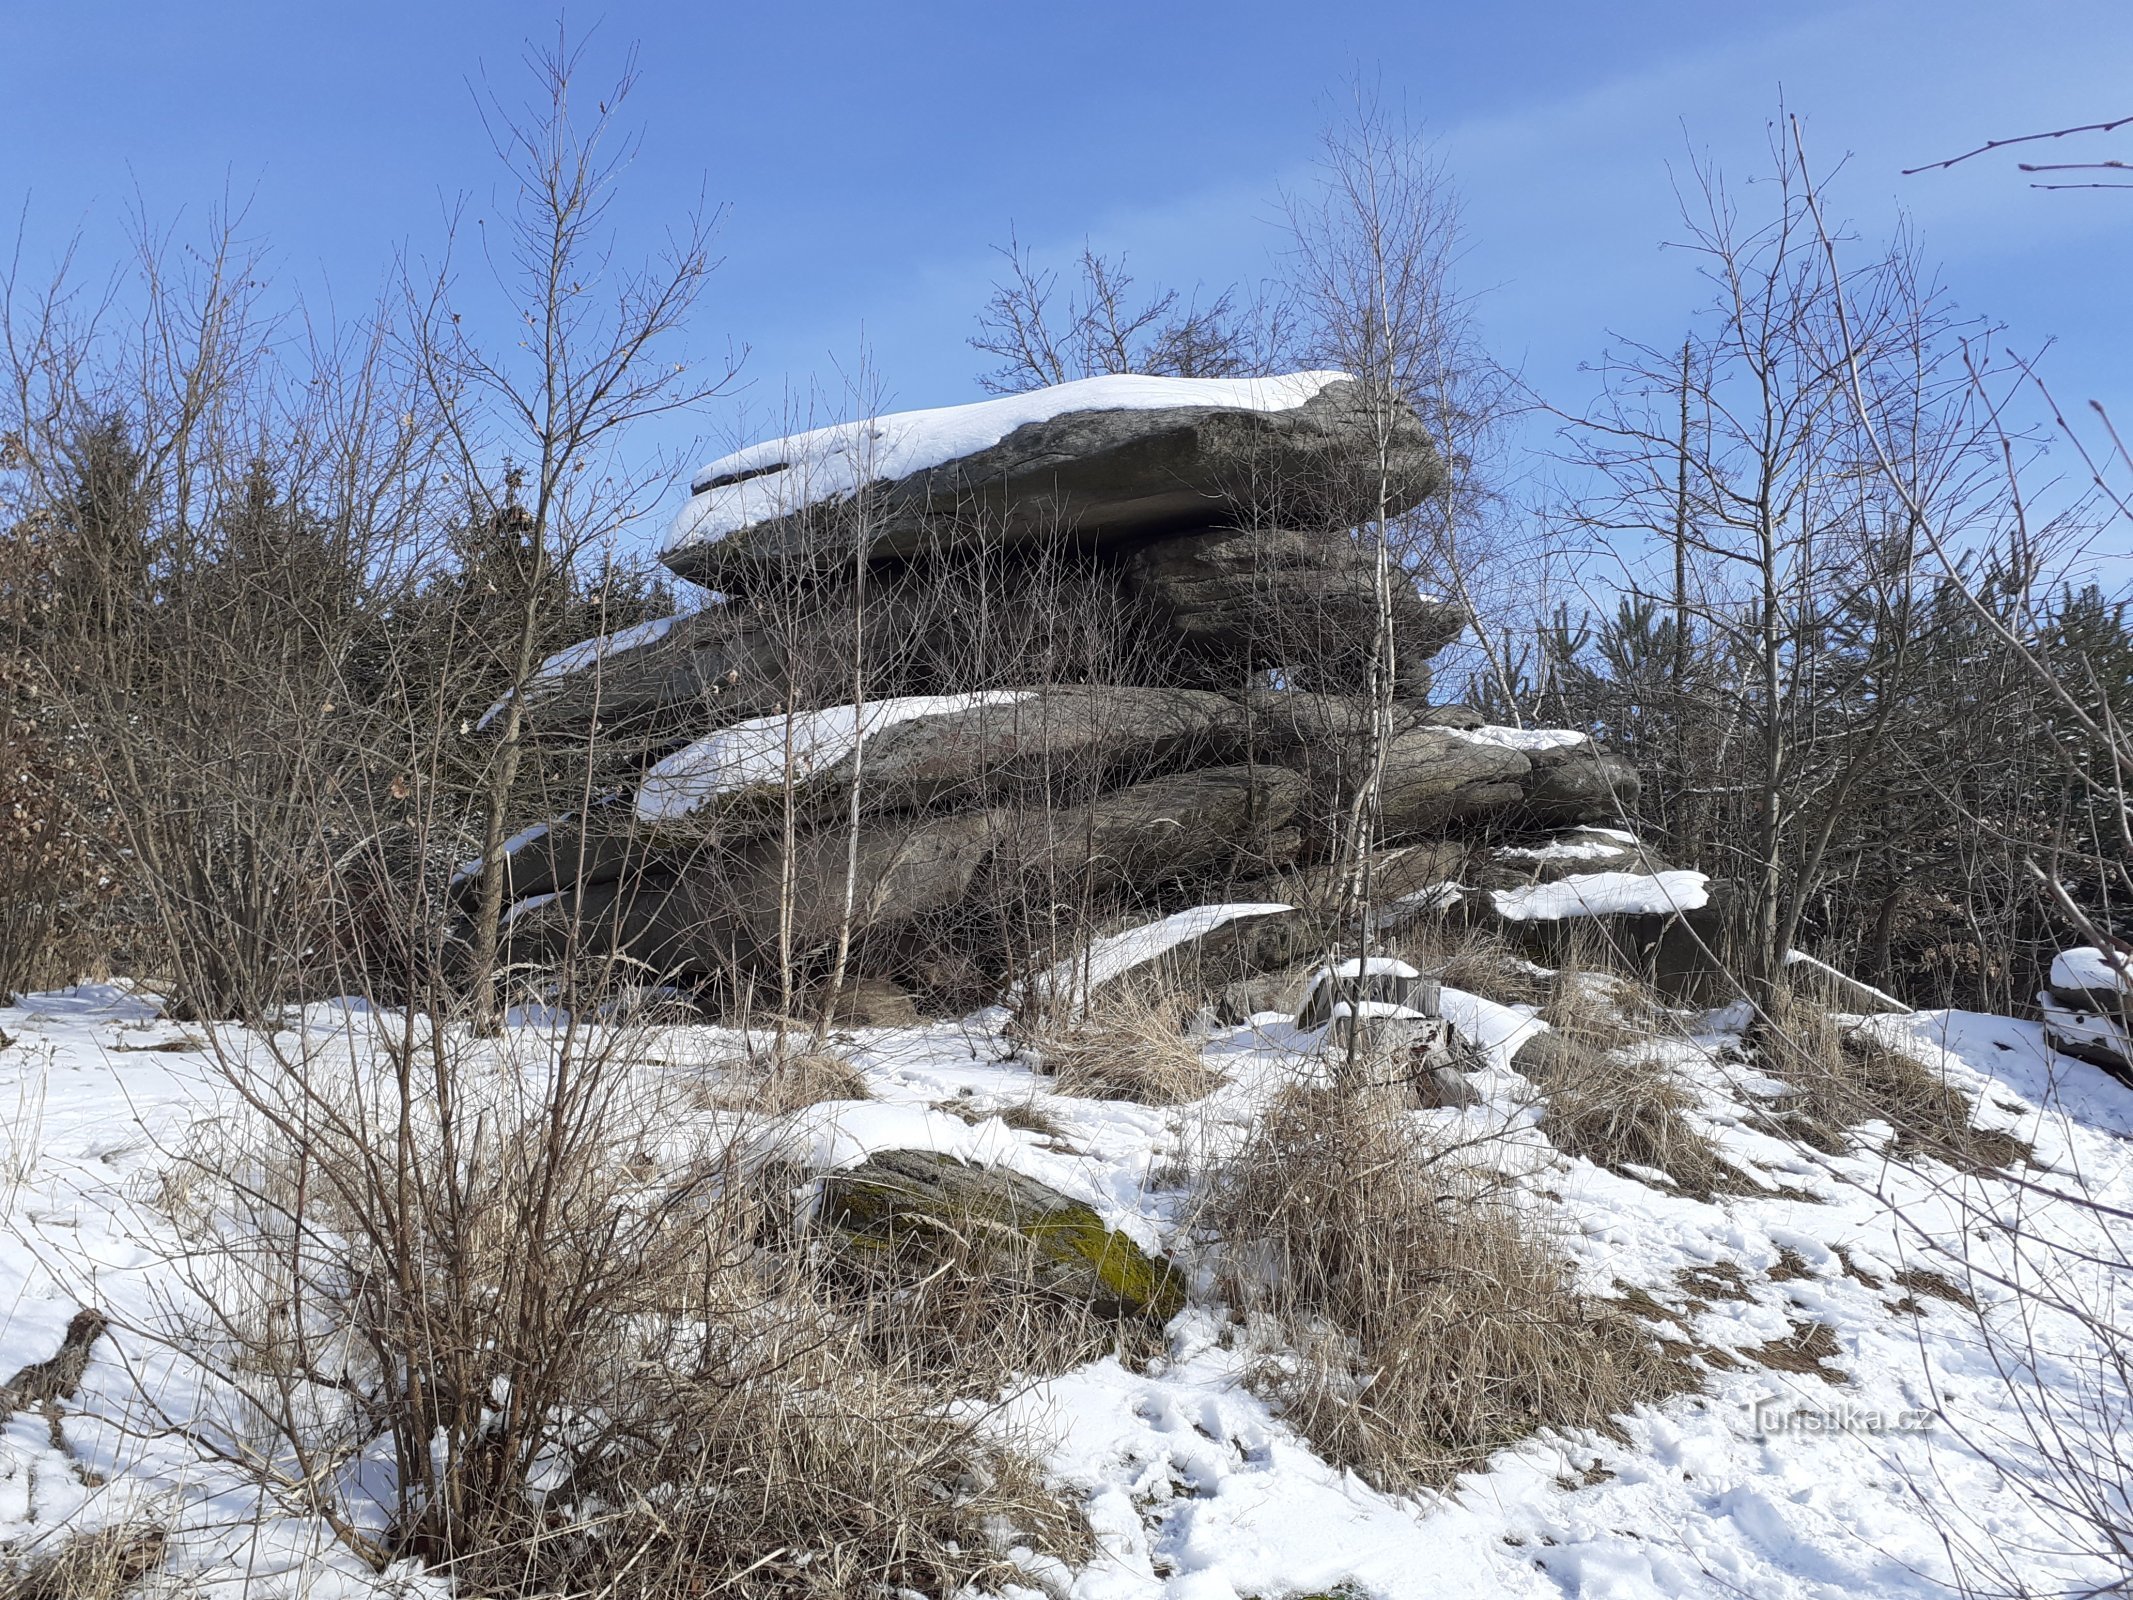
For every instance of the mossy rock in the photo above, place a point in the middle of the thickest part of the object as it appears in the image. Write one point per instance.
(937, 1206)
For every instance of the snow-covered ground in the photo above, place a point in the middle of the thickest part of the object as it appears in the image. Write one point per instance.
(1864, 1480)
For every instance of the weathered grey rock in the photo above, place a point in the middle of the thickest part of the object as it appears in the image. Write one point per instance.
(717, 911)
(598, 849)
(1583, 782)
(1059, 742)
(719, 664)
(1101, 477)
(1243, 599)
(1682, 954)
(945, 1213)
(1432, 777)
(1213, 821)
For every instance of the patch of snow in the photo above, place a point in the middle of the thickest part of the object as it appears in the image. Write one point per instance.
(2075, 1027)
(1372, 967)
(509, 848)
(2089, 968)
(1765, 1483)
(1800, 958)
(532, 902)
(1119, 953)
(585, 653)
(1561, 850)
(1523, 739)
(1601, 894)
(779, 476)
(1496, 1031)
(754, 753)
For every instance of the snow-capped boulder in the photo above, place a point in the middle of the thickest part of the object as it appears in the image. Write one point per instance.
(916, 751)
(1096, 461)
(1196, 938)
(1207, 822)
(2088, 1007)
(1668, 927)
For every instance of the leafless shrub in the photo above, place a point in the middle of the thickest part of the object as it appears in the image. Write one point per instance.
(597, 1353)
(1430, 1324)
(1131, 1045)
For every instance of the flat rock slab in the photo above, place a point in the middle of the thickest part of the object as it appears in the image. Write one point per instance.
(1241, 599)
(1338, 454)
(941, 1211)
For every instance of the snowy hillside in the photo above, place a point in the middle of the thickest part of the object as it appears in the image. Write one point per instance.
(1854, 1428)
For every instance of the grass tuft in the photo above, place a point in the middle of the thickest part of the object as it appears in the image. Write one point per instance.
(1430, 1325)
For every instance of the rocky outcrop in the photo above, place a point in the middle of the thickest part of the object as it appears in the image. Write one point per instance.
(1118, 647)
(1102, 475)
(1579, 782)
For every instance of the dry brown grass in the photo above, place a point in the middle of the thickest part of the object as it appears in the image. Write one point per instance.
(1430, 1324)
(1808, 1350)
(780, 1084)
(102, 1564)
(1023, 1115)
(1480, 963)
(1621, 1109)
(836, 1473)
(1611, 1100)
(1844, 1076)
(1132, 1045)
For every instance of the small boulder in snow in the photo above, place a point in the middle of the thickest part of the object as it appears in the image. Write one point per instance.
(944, 1212)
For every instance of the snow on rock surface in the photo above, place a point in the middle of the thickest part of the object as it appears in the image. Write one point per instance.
(754, 753)
(1493, 1029)
(1117, 954)
(1602, 894)
(779, 476)
(510, 847)
(1562, 850)
(585, 653)
(1521, 739)
(2089, 968)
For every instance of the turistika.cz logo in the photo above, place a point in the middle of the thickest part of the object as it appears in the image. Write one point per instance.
(1780, 1414)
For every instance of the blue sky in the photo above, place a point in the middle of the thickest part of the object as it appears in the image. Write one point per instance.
(870, 155)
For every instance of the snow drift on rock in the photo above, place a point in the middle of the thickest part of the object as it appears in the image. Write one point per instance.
(754, 752)
(1600, 894)
(1119, 953)
(1521, 739)
(586, 653)
(779, 476)
(2088, 968)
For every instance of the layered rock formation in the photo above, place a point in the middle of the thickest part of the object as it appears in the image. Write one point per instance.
(1120, 650)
